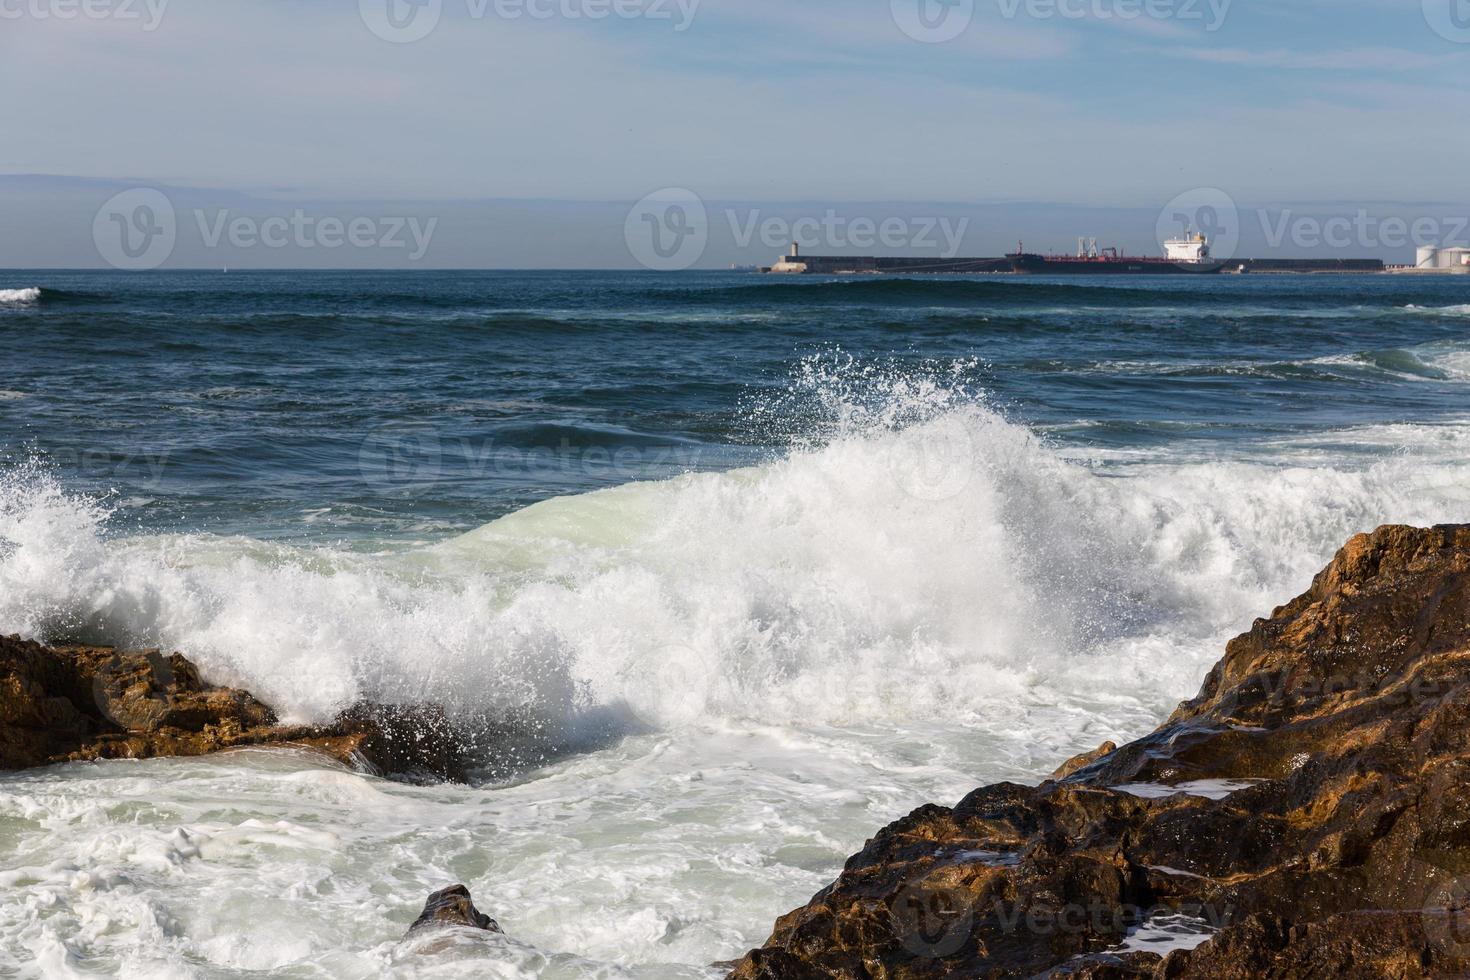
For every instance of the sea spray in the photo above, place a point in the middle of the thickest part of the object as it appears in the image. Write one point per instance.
(898, 574)
(819, 586)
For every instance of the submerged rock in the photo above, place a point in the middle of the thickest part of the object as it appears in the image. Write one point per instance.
(451, 908)
(70, 704)
(1306, 815)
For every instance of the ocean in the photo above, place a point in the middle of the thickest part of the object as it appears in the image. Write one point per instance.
(747, 567)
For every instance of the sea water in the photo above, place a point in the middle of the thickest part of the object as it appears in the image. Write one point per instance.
(744, 568)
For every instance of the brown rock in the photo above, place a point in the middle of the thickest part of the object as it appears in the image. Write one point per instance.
(1084, 760)
(416, 741)
(1366, 945)
(89, 703)
(451, 908)
(1338, 732)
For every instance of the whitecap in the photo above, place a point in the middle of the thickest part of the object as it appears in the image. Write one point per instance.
(17, 297)
(1457, 309)
(929, 559)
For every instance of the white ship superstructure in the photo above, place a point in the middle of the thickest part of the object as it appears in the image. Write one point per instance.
(1193, 249)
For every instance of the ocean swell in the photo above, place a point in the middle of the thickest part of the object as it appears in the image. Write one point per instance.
(950, 565)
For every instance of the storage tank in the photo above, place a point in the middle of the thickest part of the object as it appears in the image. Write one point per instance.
(1428, 257)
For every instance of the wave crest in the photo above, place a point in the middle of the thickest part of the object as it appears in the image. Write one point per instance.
(20, 297)
(1459, 309)
(926, 557)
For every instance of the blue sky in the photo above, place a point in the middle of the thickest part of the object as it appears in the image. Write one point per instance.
(1089, 103)
(1290, 99)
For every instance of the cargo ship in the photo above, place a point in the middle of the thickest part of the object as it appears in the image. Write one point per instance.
(794, 263)
(1188, 256)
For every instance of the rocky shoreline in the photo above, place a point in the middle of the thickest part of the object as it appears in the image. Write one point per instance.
(1307, 814)
(78, 704)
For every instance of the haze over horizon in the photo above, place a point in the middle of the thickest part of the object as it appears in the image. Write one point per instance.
(1048, 118)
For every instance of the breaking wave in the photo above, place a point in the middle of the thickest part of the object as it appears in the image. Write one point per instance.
(1459, 309)
(922, 557)
(18, 297)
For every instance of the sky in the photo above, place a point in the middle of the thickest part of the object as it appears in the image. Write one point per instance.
(879, 108)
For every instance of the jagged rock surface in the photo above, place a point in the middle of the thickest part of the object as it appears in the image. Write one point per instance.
(71, 704)
(451, 908)
(1336, 734)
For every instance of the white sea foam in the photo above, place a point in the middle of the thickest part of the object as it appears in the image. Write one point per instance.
(926, 599)
(16, 297)
(1452, 358)
(951, 568)
(1458, 309)
(1165, 932)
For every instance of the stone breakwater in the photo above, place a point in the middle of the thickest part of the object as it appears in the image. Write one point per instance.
(1306, 815)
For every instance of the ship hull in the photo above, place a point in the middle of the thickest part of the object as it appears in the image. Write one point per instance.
(1042, 265)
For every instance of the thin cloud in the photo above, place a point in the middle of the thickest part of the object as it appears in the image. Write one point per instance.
(1353, 59)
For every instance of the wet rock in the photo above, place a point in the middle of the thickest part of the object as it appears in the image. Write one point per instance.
(1309, 810)
(451, 908)
(95, 703)
(416, 742)
(71, 704)
(1084, 760)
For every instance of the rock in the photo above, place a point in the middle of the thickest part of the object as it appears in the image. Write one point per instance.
(1325, 830)
(417, 741)
(95, 703)
(87, 703)
(1084, 760)
(1366, 945)
(451, 908)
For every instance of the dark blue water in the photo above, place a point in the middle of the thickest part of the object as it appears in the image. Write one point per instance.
(993, 522)
(329, 404)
